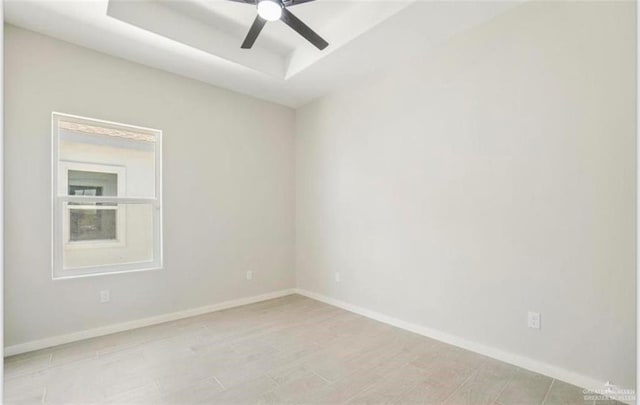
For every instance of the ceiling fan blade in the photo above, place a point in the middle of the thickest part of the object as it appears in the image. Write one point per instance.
(289, 3)
(255, 29)
(302, 29)
(253, 2)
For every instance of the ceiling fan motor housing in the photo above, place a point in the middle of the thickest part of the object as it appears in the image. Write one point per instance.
(270, 10)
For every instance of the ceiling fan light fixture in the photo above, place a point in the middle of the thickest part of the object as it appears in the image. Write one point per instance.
(269, 10)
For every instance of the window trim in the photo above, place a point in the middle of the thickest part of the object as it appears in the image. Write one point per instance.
(59, 198)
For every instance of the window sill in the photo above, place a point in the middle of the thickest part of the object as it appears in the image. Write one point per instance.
(85, 274)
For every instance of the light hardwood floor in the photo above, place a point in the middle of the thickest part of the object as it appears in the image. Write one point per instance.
(287, 350)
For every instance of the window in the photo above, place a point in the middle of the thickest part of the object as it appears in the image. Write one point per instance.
(92, 223)
(106, 203)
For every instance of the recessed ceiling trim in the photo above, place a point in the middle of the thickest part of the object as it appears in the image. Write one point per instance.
(155, 17)
(355, 21)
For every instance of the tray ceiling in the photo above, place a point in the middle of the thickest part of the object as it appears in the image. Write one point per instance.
(201, 39)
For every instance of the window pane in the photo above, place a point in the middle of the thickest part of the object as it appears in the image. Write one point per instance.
(92, 224)
(99, 237)
(85, 223)
(86, 183)
(126, 155)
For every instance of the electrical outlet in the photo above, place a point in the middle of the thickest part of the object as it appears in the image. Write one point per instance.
(337, 277)
(249, 275)
(533, 320)
(105, 296)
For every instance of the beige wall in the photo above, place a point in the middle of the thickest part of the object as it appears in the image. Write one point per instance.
(228, 188)
(493, 177)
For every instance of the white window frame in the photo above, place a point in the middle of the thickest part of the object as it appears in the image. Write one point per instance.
(59, 191)
(63, 183)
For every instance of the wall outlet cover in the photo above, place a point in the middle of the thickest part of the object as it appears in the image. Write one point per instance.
(533, 320)
(105, 296)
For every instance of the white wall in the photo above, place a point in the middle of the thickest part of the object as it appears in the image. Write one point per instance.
(495, 176)
(228, 188)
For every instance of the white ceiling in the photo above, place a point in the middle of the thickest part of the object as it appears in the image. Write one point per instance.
(201, 39)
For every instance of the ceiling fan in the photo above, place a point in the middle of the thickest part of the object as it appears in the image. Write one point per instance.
(272, 10)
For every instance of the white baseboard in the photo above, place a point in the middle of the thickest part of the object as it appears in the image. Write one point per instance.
(139, 323)
(498, 354)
